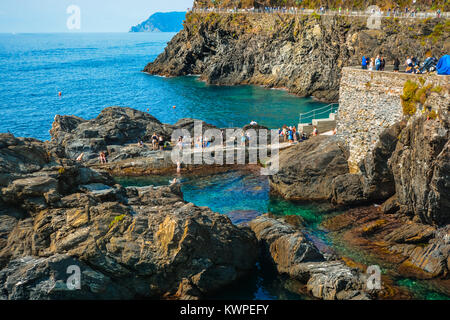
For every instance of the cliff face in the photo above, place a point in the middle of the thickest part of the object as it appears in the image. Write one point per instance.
(304, 54)
(409, 159)
(421, 163)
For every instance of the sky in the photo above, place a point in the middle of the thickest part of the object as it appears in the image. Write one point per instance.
(39, 16)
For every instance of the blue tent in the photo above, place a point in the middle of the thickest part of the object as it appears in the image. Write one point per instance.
(443, 66)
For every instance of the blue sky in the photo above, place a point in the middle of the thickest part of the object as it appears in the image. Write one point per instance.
(96, 15)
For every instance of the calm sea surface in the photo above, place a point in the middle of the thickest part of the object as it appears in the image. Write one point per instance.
(94, 71)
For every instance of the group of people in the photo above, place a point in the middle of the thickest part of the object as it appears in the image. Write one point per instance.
(394, 12)
(412, 64)
(290, 134)
(378, 63)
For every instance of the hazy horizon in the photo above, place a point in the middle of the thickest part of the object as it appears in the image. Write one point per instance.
(97, 16)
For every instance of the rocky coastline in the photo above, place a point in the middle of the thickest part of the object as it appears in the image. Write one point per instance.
(149, 243)
(303, 53)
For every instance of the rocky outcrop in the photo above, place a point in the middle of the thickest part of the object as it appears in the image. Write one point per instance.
(412, 248)
(378, 178)
(421, 164)
(128, 242)
(294, 255)
(408, 165)
(304, 54)
(116, 131)
(308, 169)
(161, 22)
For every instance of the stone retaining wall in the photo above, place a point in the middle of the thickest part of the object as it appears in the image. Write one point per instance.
(369, 103)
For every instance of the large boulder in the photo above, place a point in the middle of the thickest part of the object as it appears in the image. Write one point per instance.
(147, 241)
(296, 256)
(113, 126)
(307, 170)
(378, 179)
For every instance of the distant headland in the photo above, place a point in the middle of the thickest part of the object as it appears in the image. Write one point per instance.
(161, 22)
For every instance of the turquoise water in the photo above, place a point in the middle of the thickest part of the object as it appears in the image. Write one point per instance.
(244, 195)
(94, 71)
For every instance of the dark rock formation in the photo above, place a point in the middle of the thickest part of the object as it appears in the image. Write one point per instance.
(421, 164)
(378, 179)
(308, 169)
(128, 242)
(414, 249)
(297, 257)
(116, 131)
(304, 54)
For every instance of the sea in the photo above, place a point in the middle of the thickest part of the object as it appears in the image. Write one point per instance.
(93, 71)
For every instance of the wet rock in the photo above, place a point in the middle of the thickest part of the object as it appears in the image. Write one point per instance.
(293, 254)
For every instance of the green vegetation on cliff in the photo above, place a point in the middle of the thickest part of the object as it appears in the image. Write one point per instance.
(332, 4)
(302, 53)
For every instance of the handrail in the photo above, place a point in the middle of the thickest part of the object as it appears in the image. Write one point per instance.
(331, 108)
(318, 109)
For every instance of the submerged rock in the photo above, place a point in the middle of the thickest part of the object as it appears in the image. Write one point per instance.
(293, 254)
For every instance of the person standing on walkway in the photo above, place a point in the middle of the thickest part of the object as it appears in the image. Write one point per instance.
(364, 63)
(377, 63)
(396, 65)
(372, 64)
(382, 64)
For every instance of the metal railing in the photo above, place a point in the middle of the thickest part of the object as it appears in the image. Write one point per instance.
(318, 113)
(342, 12)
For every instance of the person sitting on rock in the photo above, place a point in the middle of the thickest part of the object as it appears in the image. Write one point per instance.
(315, 132)
(103, 159)
(154, 141)
(80, 157)
(161, 143)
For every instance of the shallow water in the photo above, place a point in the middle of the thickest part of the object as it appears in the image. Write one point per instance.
(244, 195)
(94, 71)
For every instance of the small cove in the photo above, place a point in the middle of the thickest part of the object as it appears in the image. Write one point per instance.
(243, 195)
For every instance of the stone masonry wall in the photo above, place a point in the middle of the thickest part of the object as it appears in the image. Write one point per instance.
(369, 102)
